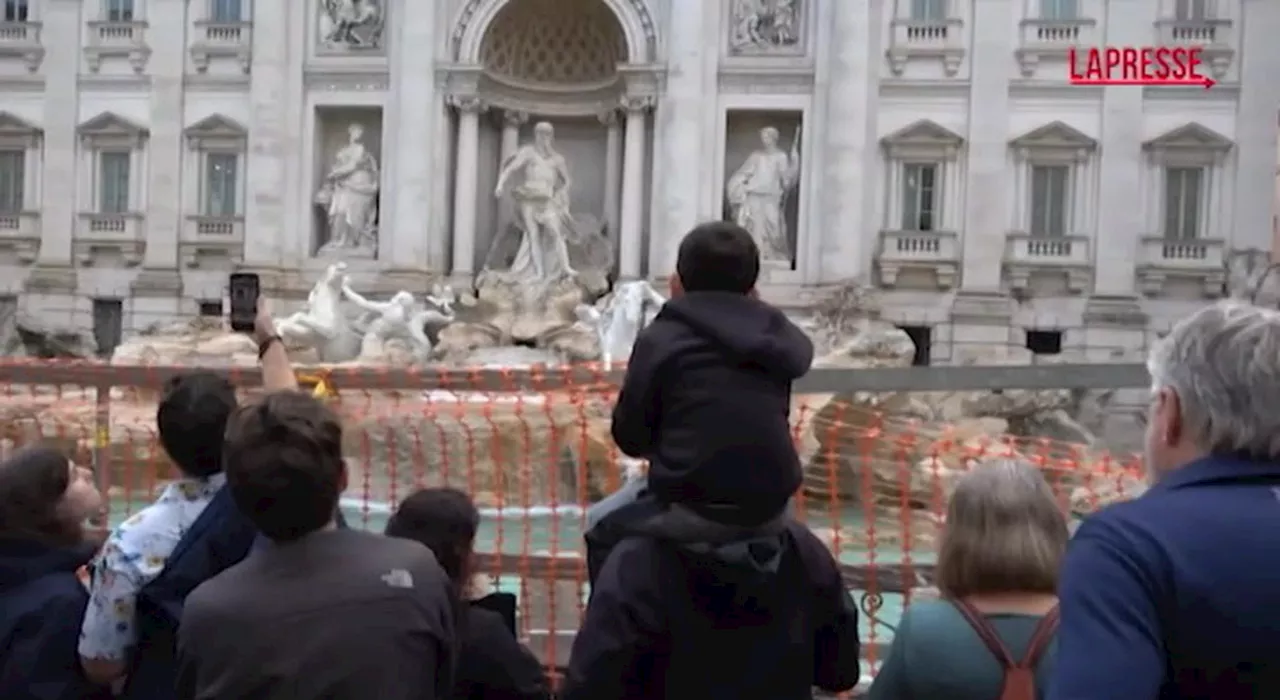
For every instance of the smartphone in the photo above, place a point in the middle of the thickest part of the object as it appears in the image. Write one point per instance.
(244, 288)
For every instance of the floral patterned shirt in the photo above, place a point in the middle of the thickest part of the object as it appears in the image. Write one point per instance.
(132, 557)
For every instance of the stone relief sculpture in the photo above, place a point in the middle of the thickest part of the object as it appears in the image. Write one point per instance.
(542, 204)
(351, 24)
(764, 26)
(618, 318)
(321, 325)
(349, 196)
(757, 193)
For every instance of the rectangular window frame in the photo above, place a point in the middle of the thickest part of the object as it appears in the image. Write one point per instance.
(119, 11)
(920, 202)
(13, 185)
(209, 184)
(1183, 217)
(111, 197)
(1051, 218)
(929, 10)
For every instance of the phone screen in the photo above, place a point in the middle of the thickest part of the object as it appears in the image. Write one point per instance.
(244, 288)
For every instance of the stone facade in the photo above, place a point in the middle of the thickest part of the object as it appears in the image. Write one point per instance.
(166, 143)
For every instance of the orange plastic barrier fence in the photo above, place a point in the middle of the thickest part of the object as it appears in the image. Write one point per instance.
(533, 449)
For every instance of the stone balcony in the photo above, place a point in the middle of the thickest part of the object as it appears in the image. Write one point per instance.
(1028, 257)
(20, 235)
(222, 40)
(913, 39)
(1201, 261)
(109, 235)
(935, 254)
(126, 40)
(1215, 37)
(1049, 41)
(211, 241)
(21, 40)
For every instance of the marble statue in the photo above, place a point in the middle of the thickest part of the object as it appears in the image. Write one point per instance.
(763, 26)
(321, 325)
(349, 196)
(542, 204)
(618, 320)
(757, 193)
(388, 320)
(351, 24)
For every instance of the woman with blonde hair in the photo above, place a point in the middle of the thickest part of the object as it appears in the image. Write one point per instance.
(993, 630)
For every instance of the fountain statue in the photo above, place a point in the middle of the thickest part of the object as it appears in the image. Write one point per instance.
(402, 319)
(620, 317)
(541, 268)
(321, 325)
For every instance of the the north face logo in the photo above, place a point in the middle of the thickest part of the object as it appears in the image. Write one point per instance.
(398, 578)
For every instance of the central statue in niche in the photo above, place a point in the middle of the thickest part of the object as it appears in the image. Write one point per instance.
(542, 206)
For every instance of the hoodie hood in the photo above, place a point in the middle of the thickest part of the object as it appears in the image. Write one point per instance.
(744, 328)
(753, 552)
(24, 560)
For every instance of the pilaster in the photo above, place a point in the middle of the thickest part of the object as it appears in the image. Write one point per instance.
(1121, 222)
(60, 18)
(406, 241)
(986, 218)
(167, 39)
(1255, 136)
(270, 140)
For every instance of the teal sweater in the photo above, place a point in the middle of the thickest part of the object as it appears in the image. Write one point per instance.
(936, 654)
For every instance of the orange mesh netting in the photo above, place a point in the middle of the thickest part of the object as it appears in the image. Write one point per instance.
(533, 449)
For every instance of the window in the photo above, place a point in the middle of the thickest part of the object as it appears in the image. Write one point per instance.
(119, 10)
(922, 338)
(220, 184)
(12, 178)
(1049, 200)
(929, 10)
(113, 188)
(1059, 9)
(919, 196)
(1044, 342)
(15, 10)
(226, 11)
(1183, 193)
(211, 309)
(108, 325)
(1193, 9)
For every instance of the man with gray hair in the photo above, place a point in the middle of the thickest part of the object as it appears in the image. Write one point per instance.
(1176, 594)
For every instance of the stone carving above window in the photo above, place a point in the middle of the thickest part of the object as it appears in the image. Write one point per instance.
(217, 132)
(1189, 145)
(765, 27)
(16, 132)
(350, 25)
(109, 129)
(924, 139)
(1056, 141)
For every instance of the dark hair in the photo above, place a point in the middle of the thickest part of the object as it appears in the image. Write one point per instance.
(192, 421)
(284, 464)
(718, 256)
(443, 519)
(32, 484)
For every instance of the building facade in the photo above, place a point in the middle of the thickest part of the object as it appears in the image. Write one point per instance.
(932, 148)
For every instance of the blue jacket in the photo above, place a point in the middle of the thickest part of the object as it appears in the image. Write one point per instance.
(218, 539)
(1176, 594)
(42, 603)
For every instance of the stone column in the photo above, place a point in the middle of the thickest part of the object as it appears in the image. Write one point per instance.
(511, 122)
(414, 114)
(266, 171)
(612, 170)
(631, 224)
(850, 78)
(678, 180)
(159, 276)
(1255, 129)
(465, 190)
(58, 208)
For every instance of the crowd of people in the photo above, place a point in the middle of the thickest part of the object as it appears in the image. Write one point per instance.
(242, 582)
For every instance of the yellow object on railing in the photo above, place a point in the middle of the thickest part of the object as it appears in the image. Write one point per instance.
(321, 385)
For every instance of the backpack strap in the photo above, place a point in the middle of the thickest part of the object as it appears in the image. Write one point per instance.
(985, 632)
(1041, 638)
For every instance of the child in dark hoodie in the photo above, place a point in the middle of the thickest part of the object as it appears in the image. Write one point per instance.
(706, 401)
(44, 501)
